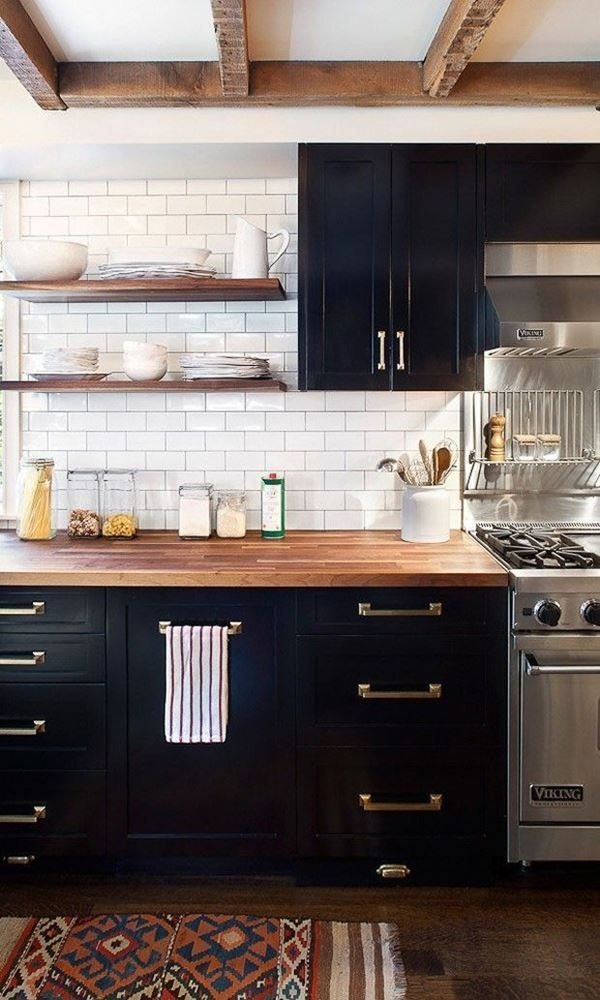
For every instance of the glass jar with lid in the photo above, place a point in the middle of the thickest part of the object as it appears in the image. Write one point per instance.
(231, 514)
(119, 506)
(195, 510)
(83, 504)
(36, 515)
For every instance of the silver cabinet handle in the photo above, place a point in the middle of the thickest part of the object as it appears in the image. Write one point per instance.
(36, 608)
(401, 363)
(434, 610)
(535, 671)
(381, 334)
(434, 804)
(35, 660)
(432, 691)
(393, 871)
(37, 727)
(37, 813)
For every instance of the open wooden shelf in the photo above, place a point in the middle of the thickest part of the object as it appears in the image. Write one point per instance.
(166, 385)
(148, 290)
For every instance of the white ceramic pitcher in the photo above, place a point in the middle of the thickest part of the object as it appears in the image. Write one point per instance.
(250, 257)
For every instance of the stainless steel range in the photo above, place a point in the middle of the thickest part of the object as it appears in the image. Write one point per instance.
(554, 687)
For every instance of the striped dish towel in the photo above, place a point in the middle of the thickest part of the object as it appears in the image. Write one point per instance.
(197, 689)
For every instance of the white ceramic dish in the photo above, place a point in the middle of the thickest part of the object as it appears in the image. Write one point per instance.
(140, 369)
(159, 255)
(45, 260)
(69, 376)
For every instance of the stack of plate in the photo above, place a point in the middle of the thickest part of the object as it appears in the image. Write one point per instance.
(157, 262)
(75, 362)
(198, 366)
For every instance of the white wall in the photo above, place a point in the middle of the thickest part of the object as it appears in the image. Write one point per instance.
(327, 443)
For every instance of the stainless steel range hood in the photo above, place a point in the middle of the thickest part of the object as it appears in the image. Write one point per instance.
(543, 299)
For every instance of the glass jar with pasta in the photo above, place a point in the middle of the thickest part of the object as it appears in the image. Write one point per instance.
(119, 507)
(35, 500)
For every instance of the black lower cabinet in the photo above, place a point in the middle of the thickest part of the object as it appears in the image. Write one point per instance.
(226, 799)
(360, 749)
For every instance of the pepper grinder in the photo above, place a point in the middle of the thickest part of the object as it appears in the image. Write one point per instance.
(496, 451)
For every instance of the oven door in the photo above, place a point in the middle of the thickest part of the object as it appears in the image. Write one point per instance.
(559, 729)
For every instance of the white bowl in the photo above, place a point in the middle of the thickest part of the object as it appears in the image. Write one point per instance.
(45, 260)
(140, 349)
(139, 369)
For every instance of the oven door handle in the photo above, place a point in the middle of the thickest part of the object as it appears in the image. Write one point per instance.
(533, 670)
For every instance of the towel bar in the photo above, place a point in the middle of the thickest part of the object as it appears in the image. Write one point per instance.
(234, 628)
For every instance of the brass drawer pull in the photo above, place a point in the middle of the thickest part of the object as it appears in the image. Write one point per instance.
(433, 691)
(37, 813)
(434, 610)
(37, 727)
(19, 859)
(35, 660)
(393, 871)
(401, 363)
(37, 608)
(381, 334)
(433, 805)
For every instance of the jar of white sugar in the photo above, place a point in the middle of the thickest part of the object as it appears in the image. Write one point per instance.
(195, 513)
(231, 514)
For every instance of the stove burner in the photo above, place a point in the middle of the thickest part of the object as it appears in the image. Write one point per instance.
(537, 549)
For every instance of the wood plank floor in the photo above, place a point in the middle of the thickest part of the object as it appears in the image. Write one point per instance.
(529, 938)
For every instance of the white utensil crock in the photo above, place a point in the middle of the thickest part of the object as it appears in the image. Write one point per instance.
(250, 256)
(426, 514)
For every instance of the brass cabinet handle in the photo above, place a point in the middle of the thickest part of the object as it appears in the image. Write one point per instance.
(19, 859)
(37, 608)
(433, 805)
(381, 335)
(432, 691)
(434, 610)
(393, 871)
(37, 727)
(401, 363)
(35, 660)
(37, 813)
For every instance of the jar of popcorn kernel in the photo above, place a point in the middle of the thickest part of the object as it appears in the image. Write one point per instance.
(120, 515)
(83, 504)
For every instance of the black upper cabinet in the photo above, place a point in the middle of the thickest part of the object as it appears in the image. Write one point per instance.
(537, 193)
(345, 210)
(388, 266)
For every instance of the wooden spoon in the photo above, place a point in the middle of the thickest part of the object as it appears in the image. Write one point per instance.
(426, 458)
(442, 458)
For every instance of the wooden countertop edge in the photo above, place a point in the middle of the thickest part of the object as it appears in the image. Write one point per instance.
(275, 579)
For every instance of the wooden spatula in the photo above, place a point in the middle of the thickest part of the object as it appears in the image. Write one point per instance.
(442, 463)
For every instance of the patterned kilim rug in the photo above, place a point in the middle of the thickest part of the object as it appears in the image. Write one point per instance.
(197, 957)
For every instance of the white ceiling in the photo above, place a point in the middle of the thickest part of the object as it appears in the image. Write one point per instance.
(528, 30)
(543, 31)
(342, 29)
(126, 29)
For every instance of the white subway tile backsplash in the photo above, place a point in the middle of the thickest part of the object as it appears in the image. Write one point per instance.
(327, 443)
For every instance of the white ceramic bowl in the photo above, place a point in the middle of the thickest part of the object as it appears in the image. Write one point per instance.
(138, 369)
(140, 349)
(45, 260)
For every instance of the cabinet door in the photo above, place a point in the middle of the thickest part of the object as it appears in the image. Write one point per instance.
(344, 267)
(218, 799)
(542, 192)
(434, 266)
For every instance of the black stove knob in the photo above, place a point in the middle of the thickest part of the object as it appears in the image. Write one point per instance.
(548, 613)
(590, 612)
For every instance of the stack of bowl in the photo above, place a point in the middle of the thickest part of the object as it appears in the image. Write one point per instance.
(144, 362)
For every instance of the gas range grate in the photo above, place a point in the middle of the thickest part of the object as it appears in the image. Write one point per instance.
(532, 547)
(583, 526)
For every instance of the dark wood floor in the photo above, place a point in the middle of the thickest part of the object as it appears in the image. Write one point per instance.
(529, 938)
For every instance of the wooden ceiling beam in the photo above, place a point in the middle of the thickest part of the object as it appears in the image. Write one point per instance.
(321, 84)
(232, 42)
(25, 52)
(455, 42)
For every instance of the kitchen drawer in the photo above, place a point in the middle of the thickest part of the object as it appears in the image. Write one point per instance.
(52, 813)
(382, 690)
(51, 609)
(52, 726)
(400, 610)
(428, 796)
(32, 657)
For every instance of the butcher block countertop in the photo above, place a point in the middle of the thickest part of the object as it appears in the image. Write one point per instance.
(302, 559)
